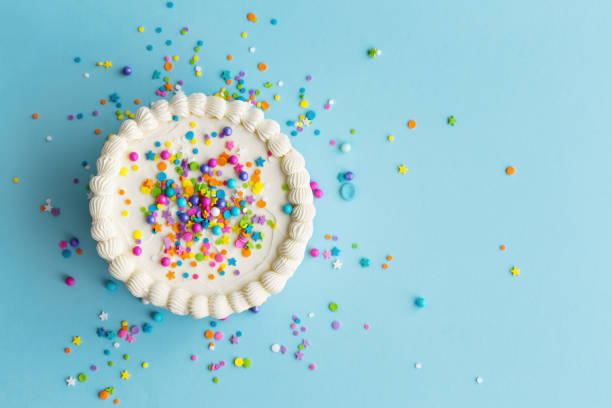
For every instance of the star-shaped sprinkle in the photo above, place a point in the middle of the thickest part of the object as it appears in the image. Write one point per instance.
(327, 254)
(103, 315)
(71, 381)
(77, 340)
(47, 206)
(129, 338)
(229, 145)
(335, 251)
(170, 275)
(451, 120)
(305, 343)
(402, 169)
(515, 271)
(234, 339)
(107, 64)
(256, 236)
(150, 155)
(364, 262)
(337, 264)
(299, 355)
(231, 261)
(125, 375)
(123, 171)
(156, 74)
(250, 199)
(259, 161)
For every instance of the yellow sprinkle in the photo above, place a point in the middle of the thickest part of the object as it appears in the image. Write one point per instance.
(192, 124)
(123, 171)
(257, 187)
(145, 190)
(198, 73)
(238, 362)
(124, 213)
(15, 180)
(145, 364)
(193, 141)
(137, 234)
(302, 117)
(140, 29)
(391, 138)
(276, 97)
(168, 143)
(135, 167)
(304, 104)
(175, 58)
(243, 35)
(208, 142)
(259, 104)
(195, 58)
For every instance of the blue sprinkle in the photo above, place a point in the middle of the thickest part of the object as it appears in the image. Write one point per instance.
(238, 333)
(111, 286)
(311, 114)
(158, 30)
(168, 42)
(175, 118)
(302, 90)
(66, 253)
(149, 47)
(200, 43)
(419, 302)
(213, 324)
(79, 116)
(157, 144)
(274, 21)
(147, 327)
(185, 275)
(77, 59)
(347, 191)
(317, 132)
(107, 352)
(169, 4)
(294, 133)
(157, 316)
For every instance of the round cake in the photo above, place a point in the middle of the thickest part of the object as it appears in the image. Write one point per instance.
(201, 206)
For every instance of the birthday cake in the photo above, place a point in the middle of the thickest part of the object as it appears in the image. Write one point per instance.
(201, 206)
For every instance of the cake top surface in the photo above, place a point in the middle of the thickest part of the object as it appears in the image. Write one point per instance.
(201, 206)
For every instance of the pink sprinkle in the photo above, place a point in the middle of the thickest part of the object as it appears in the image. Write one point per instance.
(63, 244)
(309, 77)
(314, 185)
(94, 367)
(293, 325)
(327, 106)
(222, 363)
(122, 333)
(332, 142)
(318, 193)
(137, 251)
(303, 328)
(283, 349)
(69, 281)
(312, 367)
(195, 276)
(335, 325)
(295, 333)
(165, 261)
(133, 156)
(314, 252)
(366, 326)
(167, 59)
(194, 357)
(218, 335)
(75, 181)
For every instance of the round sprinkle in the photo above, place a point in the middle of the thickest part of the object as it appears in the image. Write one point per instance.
(311, 315)
(274, 21)
(345, 147)
(144, 364)
(35, 116)
(262, 66)
(238, 362)
(15, 180)
(111, 286)
(140, 29)
(127, 70)
(314, 252)
(411, 124)
(157, 316)
(69, 281)
(510, 170)
(479, 380)
(333, 306)
(347, 191)
(247, 363)
(335, 325)
(502, 247)
(275, 348)
(67, 350)
(252, 17)
(103, 394)
(418, 365)
(215, 380)
(82, 377)
(366, 326)
(419, 302)
(194, 357)
(312, 367)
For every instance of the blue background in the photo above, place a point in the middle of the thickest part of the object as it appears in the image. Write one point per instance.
(529, 83)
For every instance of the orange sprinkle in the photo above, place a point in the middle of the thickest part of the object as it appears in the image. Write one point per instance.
(265, 105)
(328, 237)
(137, 101)
(258, 171)
(211, 276)
(224, 251)
(252, 17)
(116, 401)
(411, 124)
(194, 264)
(262, 66)
(97, 131)
(128, 201)
(168, 86)
(385, 266)
(102, 101)
(121, 191)
(168, 66)
(246, 252)
(389, 258)
(161, 166)
(79, 251)
(228, 82)
(173, 265)
(42, 208)
(209, 334)
(35, 115)
(222, 161)
(103, 394)
(502, 247)
(67, 350)
(510, 170)
(230, 57)
(255, 178)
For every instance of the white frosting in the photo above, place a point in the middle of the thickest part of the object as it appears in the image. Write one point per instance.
(266, 271)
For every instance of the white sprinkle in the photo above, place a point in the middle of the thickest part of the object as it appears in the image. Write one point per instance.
(331, 101)
(311, 314)
(211, 346)
(378, 52)
(198, 68)
(116, 345)
(418, 365)
(280, 83)
(86, 75)
(88, 167)
(252, 50)
(275, 348)
(479, 380)
(48, 138)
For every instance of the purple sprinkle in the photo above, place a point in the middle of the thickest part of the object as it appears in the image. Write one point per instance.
(236, 272)
(303, 328)
(55, 211)
(295, 333)
(283, 349)
(70, 117)
(335, 325)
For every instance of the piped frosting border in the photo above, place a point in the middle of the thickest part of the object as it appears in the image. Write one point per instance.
(179, 300)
